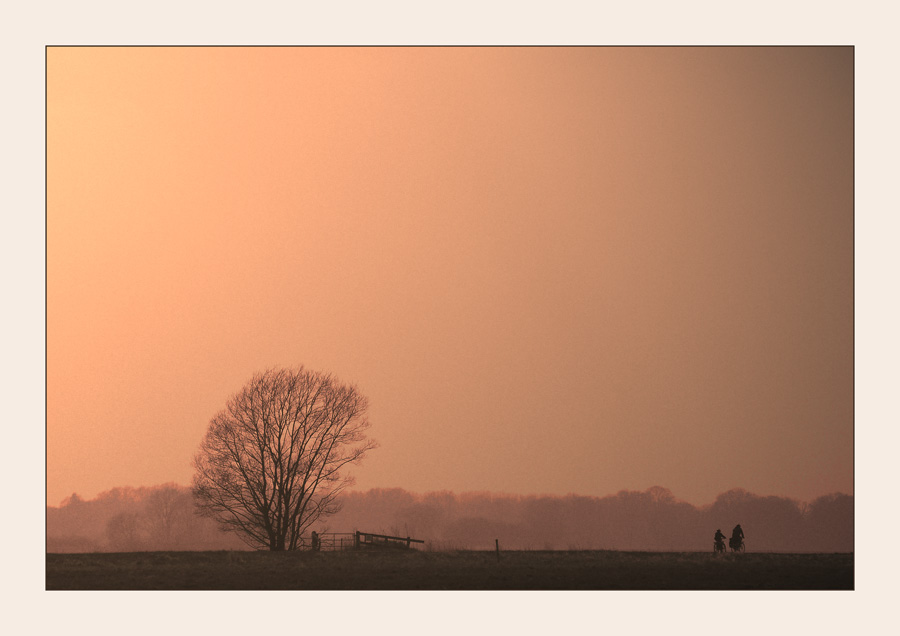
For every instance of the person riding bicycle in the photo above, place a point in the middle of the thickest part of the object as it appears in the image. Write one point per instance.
(720, 539)
(737, 536)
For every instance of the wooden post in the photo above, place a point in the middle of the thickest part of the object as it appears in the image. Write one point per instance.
(497, 543)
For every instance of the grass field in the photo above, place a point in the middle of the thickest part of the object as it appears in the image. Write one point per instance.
(455, 570)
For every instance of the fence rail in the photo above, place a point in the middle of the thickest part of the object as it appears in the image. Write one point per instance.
(331, 541)
(368, 539)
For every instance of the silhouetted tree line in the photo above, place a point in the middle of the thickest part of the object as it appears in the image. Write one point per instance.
(134, 519)
(164, 518)
(629, 520)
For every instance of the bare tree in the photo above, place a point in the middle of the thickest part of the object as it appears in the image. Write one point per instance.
(270, 464)
(162, 515)
(123, 532)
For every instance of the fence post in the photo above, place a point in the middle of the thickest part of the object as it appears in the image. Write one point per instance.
(497, 543)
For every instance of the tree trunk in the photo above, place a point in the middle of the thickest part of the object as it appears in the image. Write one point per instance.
(277, 544)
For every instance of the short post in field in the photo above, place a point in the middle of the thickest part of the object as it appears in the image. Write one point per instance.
(497, 544)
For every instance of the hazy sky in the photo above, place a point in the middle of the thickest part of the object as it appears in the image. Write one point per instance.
(550, 270)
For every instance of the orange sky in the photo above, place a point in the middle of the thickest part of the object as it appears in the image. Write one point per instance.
(550, 270)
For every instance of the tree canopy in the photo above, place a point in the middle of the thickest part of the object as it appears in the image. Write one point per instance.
(272, 461)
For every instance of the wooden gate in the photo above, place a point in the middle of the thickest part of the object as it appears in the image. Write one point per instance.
(331, 541)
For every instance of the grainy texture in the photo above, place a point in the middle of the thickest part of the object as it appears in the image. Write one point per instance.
(458, 570)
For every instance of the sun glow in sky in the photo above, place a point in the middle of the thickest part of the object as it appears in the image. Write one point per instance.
(551, 270)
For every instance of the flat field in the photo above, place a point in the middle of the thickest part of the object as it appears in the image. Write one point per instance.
(453, 570)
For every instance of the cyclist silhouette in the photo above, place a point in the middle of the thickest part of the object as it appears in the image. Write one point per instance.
(720, 540)
(737, 537)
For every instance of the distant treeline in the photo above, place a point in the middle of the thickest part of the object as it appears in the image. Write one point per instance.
(163, 518)
(134, 519)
